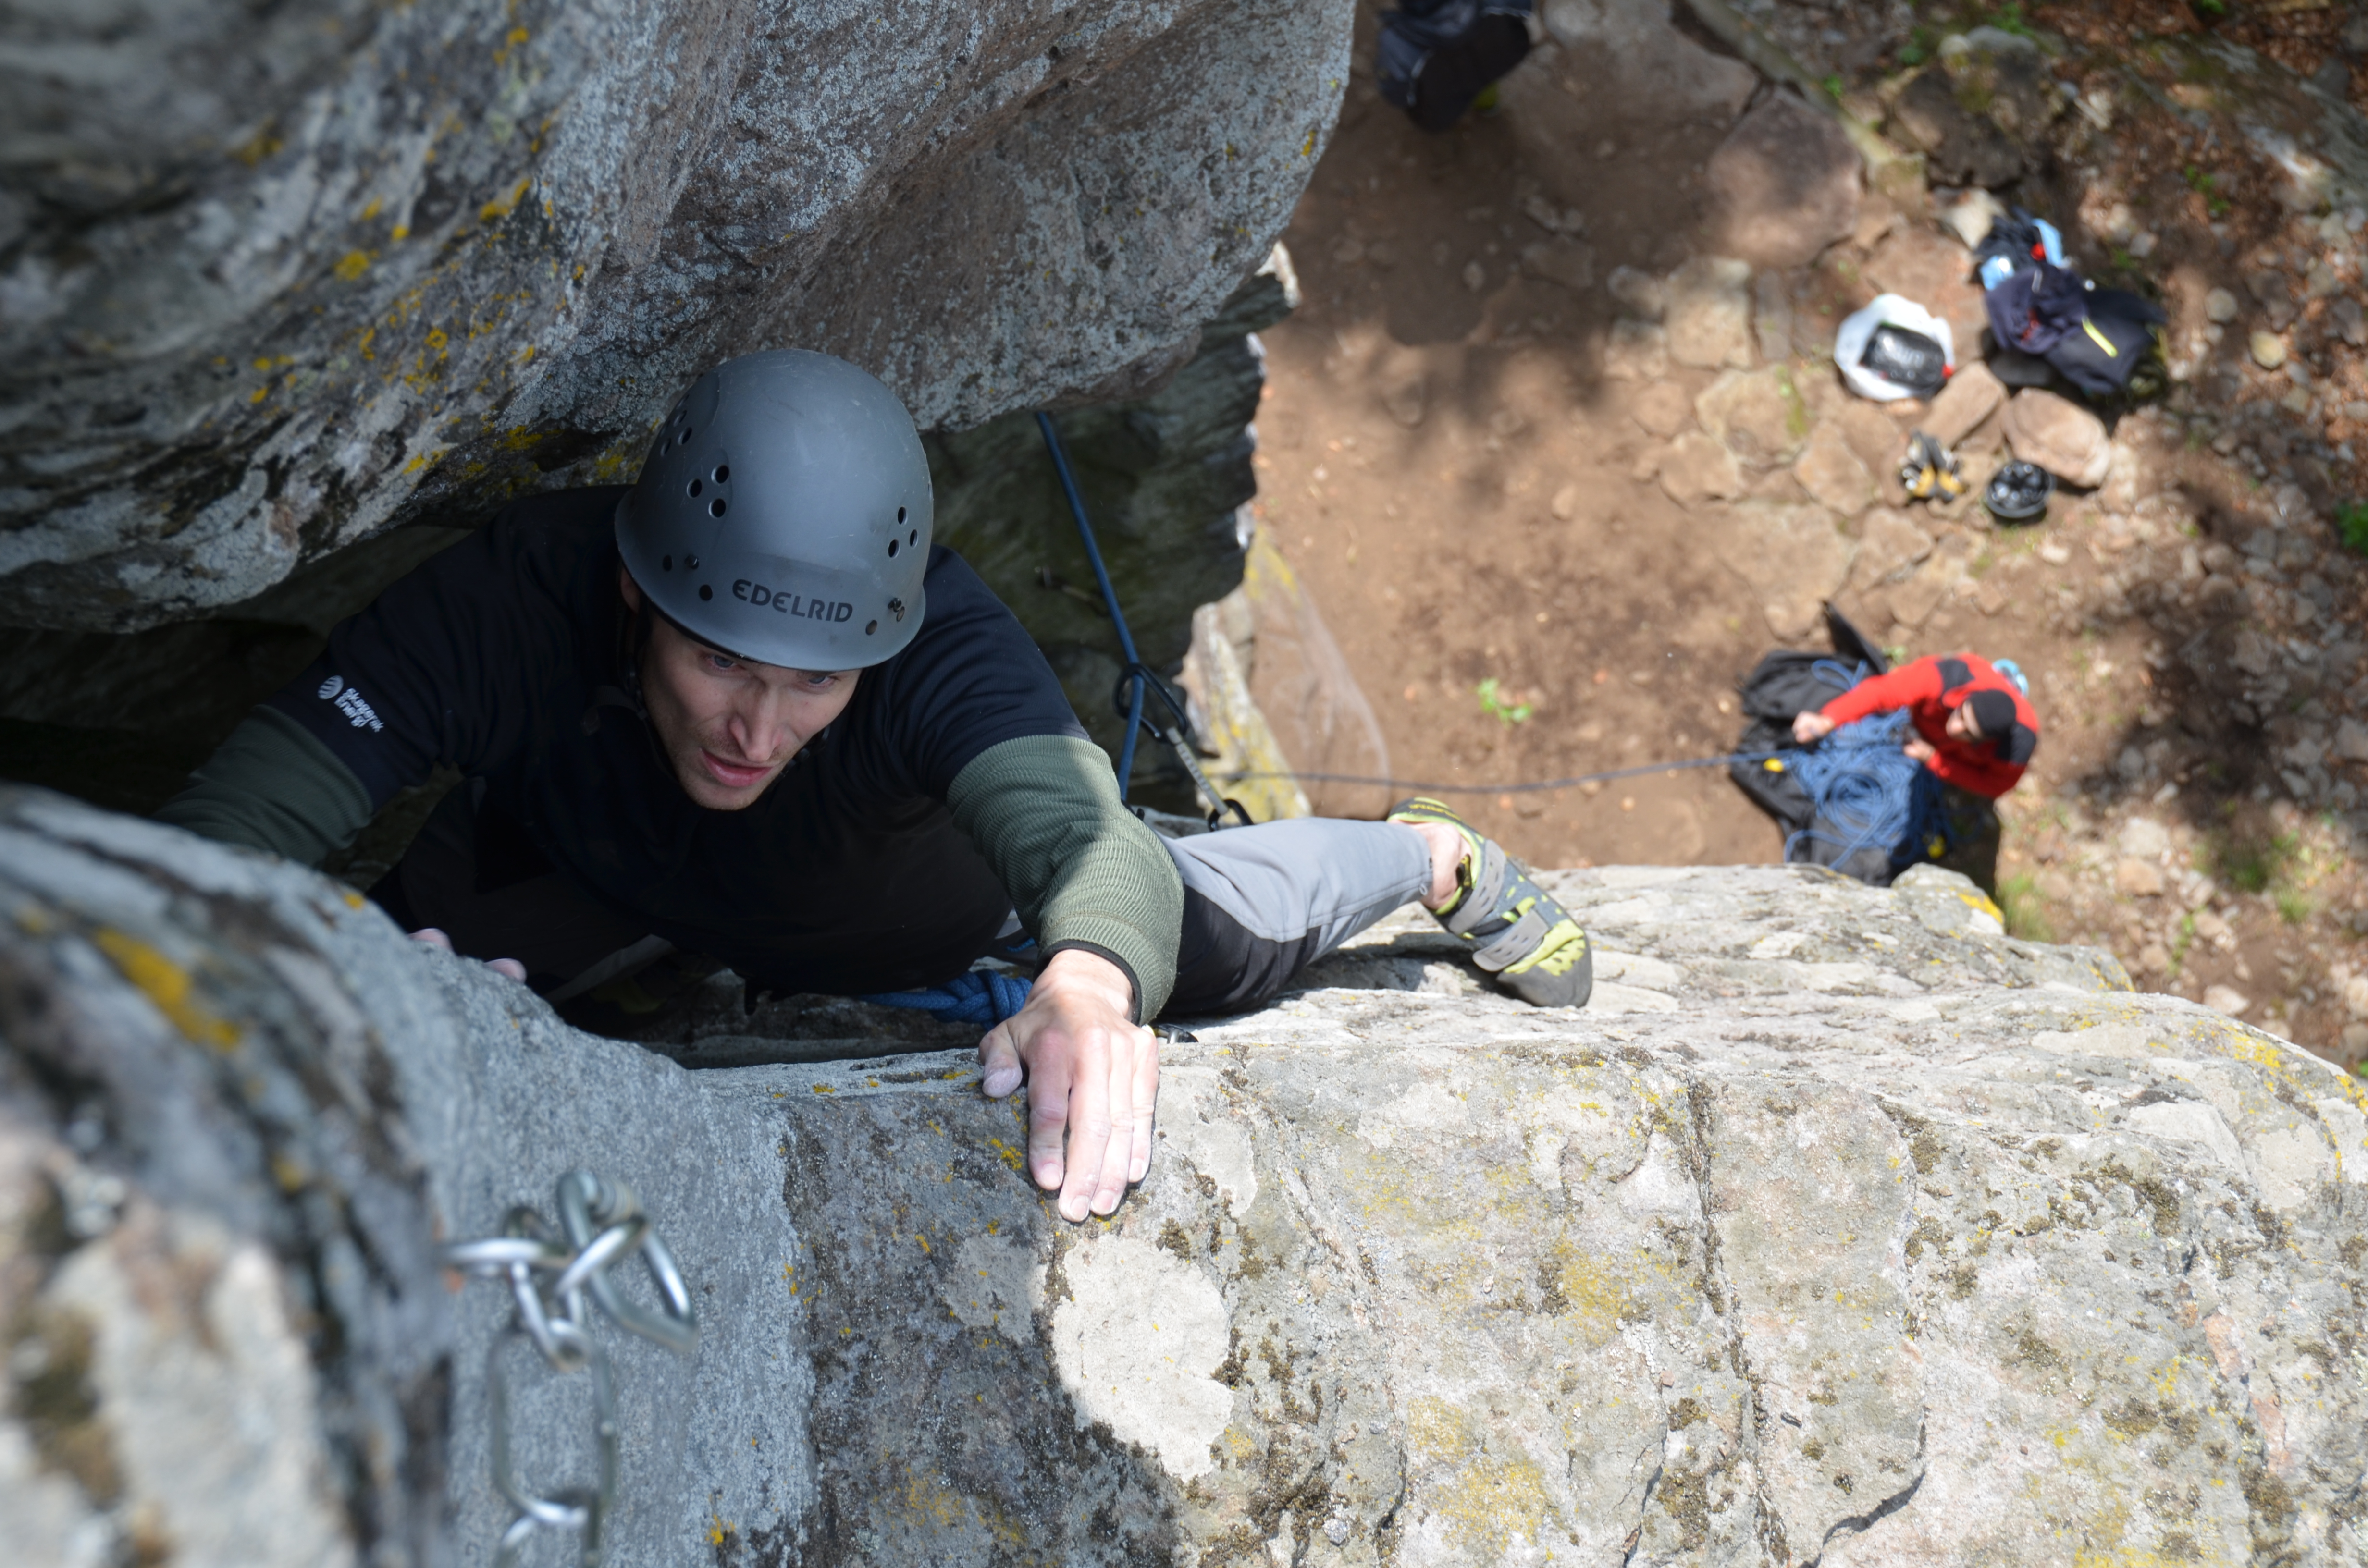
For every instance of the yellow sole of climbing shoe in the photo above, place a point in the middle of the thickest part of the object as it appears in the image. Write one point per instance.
(1561, 973)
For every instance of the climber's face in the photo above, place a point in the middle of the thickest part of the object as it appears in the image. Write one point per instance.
(1961, 724)
(729, 725)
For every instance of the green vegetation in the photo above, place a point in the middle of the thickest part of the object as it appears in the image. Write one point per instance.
(2251, 864)
(2184, 940)
(2009, 18)
(2210, 10)
(1796, 407)
(2025, 910)
(2283, 865)
(1492, 703)
(2207, 186)
(1833, 87)
(2351, 523)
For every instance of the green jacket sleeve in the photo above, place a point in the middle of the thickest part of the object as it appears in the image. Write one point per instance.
(1083, 871)
(271, 786)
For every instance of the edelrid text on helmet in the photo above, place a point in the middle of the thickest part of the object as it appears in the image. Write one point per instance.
(784, 514)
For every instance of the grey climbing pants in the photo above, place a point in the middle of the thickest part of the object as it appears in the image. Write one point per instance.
(1259, 903)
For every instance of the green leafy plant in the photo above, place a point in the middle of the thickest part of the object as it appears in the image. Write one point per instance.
(2210, 10)
(2207, 186)
(2025, 910)
(2010, 19)
(2295, 906)
(1492, 702)
(2351, 524)
(1833, 87)
(2250, 863)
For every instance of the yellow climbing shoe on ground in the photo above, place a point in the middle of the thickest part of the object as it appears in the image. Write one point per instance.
(1521, 933)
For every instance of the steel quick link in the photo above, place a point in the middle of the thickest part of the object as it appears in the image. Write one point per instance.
(548, 1283)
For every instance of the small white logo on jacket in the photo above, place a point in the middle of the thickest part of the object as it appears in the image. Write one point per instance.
(358, 713)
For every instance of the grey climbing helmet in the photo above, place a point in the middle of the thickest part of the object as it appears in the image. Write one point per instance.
(783, 515)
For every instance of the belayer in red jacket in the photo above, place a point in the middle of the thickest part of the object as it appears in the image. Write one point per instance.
(1976, 728)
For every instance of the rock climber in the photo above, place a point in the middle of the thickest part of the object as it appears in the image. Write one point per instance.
(1976, 730)
(746, 709)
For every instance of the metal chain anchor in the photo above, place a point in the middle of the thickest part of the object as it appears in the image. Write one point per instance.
(603, 1220)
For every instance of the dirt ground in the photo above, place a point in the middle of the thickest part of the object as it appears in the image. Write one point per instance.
(1473, 498)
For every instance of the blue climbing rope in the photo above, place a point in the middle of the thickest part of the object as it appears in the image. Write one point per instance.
(980, 996)
(1137, 680)
(1136, 675)
(1868, 791)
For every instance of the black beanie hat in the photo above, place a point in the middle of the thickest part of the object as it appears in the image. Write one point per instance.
(1994, 711)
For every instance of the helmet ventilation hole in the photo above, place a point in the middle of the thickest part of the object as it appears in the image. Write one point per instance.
(913, 537)
(690, 561)
(891, 550)
(900, 514)
(682, 437)
(666, 562)
(723, 473)
(715, 507)
(694, 487)
(869, 627)
(705, 592)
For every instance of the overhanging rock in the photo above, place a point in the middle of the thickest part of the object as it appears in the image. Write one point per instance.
(279, 278)
(1840, 1228)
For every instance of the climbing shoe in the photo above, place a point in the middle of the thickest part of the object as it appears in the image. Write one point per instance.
(1930, 472)
(1521, 934)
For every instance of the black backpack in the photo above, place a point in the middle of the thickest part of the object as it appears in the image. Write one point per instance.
(1436, 56)
(2034, 309)
(1785, 682)
(2114, 339)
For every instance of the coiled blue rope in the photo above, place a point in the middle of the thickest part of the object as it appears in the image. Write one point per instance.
(979, 996)
(1872, 794)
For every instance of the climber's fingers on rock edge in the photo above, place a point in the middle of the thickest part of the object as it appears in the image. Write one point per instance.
(508, 969)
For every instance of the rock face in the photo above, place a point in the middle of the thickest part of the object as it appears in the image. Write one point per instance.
(1163, 478)
(1785, 183)
(1977, 114)
(1972, 395)
(281, 278)
(1793, 553)
(1839, 1227)
(1649, 70)
(1709, 312)
(120, 718)
(2059, 436)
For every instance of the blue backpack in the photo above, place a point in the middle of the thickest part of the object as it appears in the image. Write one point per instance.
(1436, 56)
